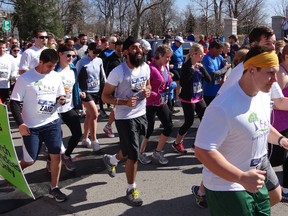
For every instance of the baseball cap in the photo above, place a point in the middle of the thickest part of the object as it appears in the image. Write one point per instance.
(233, 36)
(145, 44)
(179, 38)
(129, 41)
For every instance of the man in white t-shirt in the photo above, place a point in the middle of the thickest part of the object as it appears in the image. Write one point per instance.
(30, 57)
(131, 83)
(8, 72)
(262, 36)
(41, 90)
(234, 152)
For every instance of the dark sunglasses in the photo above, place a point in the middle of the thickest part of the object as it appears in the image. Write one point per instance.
(69, 56)
(16, 50)
(43, 37)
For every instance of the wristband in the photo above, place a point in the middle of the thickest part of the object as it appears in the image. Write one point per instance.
(280, 138)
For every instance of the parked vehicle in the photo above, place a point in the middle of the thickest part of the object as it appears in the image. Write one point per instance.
(156, 42)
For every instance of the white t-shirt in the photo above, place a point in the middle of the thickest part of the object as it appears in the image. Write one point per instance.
(30, 58)
(235, 76)
(68, 80)
(7, 70)
(38, 93)
(126, 80)
(17, 60)
(238, 127)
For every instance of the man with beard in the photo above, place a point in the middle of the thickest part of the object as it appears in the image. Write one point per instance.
(30, 58)
(81, 46)
(131, 84)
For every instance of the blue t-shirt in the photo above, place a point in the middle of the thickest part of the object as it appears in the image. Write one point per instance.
(212, 64)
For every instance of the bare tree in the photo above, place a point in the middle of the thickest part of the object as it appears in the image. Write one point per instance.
(107, 9)
(281, 7)
(141, 6)
(248, 13)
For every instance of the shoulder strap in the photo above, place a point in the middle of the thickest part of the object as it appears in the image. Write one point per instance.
(284, 68)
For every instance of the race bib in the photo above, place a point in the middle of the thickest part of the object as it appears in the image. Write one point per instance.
(45, 107)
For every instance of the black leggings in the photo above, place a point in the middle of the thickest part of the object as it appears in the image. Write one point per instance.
(279, 156)
(164, 116)
(188, 110)
(72, 120)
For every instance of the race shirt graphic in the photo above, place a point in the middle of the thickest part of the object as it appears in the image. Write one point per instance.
(262, 128)
(46, 101)
(68, 86)
(4, 71)
(92, 83)
(138, 85)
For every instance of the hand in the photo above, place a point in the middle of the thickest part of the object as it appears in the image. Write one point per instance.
(24, 130)
(132, 101)
(82, 95)
(147, 92)
(252, 180)
(284, 143)
(228, 65)
(198, 65)
(61, 100)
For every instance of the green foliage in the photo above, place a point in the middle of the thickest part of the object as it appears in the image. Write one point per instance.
(34, 14)
(190, 23)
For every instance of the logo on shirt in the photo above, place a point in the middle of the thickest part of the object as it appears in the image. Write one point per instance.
(261, 126)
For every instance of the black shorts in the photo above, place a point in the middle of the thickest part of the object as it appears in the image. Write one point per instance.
(4, 95)
(131, 134)
(92, 96)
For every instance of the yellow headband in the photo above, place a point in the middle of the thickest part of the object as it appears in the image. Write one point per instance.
(263, 60)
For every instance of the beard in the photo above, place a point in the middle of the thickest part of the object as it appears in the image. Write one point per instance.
(135, 60)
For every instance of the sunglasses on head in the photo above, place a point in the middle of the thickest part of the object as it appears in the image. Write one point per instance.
(69, 56)
(43, 37)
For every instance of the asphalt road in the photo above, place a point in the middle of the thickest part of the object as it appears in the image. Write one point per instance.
(165, 190)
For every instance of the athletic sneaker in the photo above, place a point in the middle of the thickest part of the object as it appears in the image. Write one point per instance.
(86, 142)
(110, 167)
(179, 148)
(159, 156)
(108, 131)
(284, 196)
(177, 103)
(144, 159)
(103, 114)
(95, 145)
(200, 200)
(57, 195)
(67, 161)
(133, 197)
(48, 165)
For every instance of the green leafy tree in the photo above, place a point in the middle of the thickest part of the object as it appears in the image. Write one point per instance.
(34, 14)
(190, 23)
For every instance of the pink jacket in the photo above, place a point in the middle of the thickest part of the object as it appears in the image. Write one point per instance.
(158, 84)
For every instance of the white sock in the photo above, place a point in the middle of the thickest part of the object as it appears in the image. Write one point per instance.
(131, 186)
(285, 190)
(114, 160)
(52, 188)
(201, 193)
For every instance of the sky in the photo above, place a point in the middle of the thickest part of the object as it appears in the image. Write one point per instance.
(268, 7)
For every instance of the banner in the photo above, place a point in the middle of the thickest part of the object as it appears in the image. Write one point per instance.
(9, 167)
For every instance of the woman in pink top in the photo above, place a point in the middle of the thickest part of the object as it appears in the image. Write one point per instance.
(279, 119)
(160, 80)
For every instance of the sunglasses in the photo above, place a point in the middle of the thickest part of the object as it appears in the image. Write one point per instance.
(69, 56)
(16, 50)
(43, 37)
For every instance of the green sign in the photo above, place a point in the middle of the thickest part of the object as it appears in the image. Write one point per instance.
(6, 25)
(9, 167)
